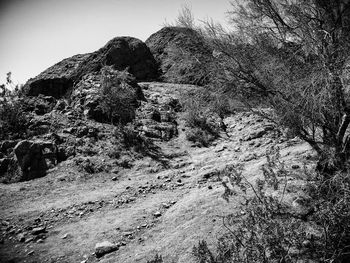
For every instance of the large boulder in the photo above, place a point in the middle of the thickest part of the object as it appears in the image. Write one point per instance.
(182, 54)
(31, 160)
(120, 52)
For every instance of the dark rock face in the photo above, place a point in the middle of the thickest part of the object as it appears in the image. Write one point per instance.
(57, 80)
(123, 52)
(182, 55)
(30, 159)
(120, 52)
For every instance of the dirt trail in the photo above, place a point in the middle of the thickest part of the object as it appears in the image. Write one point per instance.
(164, 211)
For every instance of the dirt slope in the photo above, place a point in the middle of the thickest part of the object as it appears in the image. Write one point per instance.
(149, 209)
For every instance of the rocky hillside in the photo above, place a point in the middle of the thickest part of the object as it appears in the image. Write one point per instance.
(104, 170)
(105, 198)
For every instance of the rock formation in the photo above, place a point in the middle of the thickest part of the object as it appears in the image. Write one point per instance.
(182, 55)
(120, 52)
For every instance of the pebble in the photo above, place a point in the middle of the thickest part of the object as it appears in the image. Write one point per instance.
(295, 166)
(38, 230)
(165, 205)
(157, 214)
(64, 236)
(105, 247)
(21, 237)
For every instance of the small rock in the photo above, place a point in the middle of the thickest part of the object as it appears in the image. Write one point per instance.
(306, 243)
(157, 214)
(30, 239)
(210, 187)
(115, 178)
(38, 230)
(165, 205)
(30, 252)
(21, 237)
(295, 166)
(64, 236)
(105, 247)
(40, 241)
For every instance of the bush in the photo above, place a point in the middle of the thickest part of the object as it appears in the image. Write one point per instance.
(294, 55)
(332, 199)
(203, 114)
(268, 230)
(118, 96)
(13, 121)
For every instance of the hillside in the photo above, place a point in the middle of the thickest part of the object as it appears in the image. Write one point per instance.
(157, 205)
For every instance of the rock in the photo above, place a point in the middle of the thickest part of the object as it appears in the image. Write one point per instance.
(165, 205)
(31, 160)
(120, 52)
(157, 214)
(38, 230)
(295, 166)
(168, 45)
(21, 237)
(30, 239)
(105, 247)
(259, 133)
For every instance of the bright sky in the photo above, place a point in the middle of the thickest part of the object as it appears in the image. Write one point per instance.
(36, 34)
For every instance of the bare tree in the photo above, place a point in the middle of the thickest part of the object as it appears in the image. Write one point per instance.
(293, 54)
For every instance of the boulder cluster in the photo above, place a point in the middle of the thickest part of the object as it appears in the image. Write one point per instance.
(63, 103)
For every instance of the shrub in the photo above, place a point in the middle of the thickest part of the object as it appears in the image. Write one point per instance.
(13, 121)
(263, 229)
(203, 114)
(332, 199)
(118, 96)
(294, 55)
(267, 230)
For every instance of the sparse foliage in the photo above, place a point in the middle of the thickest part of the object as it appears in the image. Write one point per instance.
(293, 55)
(13, 121)
(117, 98)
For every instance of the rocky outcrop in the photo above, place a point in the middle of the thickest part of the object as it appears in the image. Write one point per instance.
(182, 54)
(30, 159)
(88, 94)
(120, 52)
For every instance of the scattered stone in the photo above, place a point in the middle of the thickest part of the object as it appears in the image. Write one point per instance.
(157, 214)
(115, 178)
(30, 252)
(105, 247)
(64, 236)
(210, 187)
(295, 166)
(30, 239)
(21, 237)
(165, 205)
(38, 230)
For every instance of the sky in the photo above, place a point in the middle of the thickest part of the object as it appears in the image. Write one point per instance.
(35, 34)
